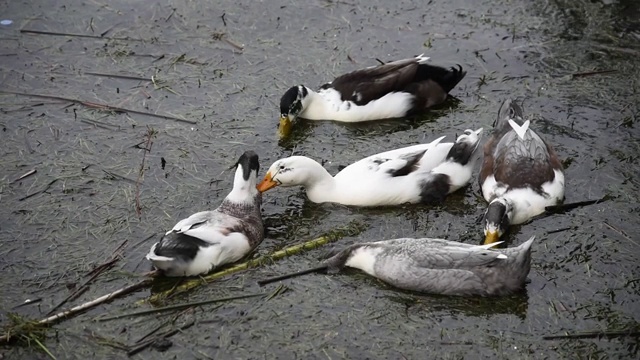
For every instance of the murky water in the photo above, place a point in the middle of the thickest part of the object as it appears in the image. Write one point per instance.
(58, 224)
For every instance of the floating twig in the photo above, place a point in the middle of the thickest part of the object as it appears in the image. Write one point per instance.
(39, 191)
(351, 229)
(28, 173)
(80, 308)
(127, 77)
(179, 306)
(100, 106)
(149, 142)
(622, 233)
(115, 257)
(170, 333)
(118, 176)
(27, 302)
(559, 230)
(561, 208)
(233, 43)
(589, 73)
(157, 328)
(593, 334)
(293, 274)
(53, 33)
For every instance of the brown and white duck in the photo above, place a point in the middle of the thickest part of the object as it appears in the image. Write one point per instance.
(390, 90)
(521, 173)
(209, 239)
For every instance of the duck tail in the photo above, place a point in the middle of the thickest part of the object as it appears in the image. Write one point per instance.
(520, 130)
(509, 110)
(446, 78)
(338, 261)
(519, 259)
(421, 59)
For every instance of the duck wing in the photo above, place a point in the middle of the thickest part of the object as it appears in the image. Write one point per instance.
(520, 162)
(207, 226)
(442, 254)
(399, 162)
(365, 85)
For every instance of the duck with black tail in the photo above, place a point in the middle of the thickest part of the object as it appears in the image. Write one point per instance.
(391, 90)
(209, 239)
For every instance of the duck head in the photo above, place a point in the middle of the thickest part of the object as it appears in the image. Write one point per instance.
(509, 110)
(292, 104)
(246, 177)
(496, 220)
(465, 146)
(291, 171)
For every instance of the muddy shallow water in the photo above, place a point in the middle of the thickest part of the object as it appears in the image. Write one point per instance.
(223, 66)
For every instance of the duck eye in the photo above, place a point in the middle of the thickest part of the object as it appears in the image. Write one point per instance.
(281, 167)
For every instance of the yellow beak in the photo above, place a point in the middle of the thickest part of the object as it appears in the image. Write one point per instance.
(491, 237)
(266, 183)
(284, 129)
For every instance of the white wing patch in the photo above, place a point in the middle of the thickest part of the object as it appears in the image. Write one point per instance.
(520, 130)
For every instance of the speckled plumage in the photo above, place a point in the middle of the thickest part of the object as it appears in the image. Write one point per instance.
(520, 175)
(439, 266)
(209, 239)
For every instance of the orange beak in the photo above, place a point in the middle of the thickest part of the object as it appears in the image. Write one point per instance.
(266, 183)
(491, 237)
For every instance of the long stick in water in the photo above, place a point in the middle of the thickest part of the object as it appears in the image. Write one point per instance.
(570, 206)
(292, 275)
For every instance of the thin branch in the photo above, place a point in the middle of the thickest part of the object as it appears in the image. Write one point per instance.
(53, 33)
(88, 305)
(593, 334)
(28, 173)
(293, 274)
(178, 307)
(127, 77)
(149, 135)
(100, 106)
(115, 257)
(144, 345)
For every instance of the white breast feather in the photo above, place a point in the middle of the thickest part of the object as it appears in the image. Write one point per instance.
(364, 258)
(327, 105)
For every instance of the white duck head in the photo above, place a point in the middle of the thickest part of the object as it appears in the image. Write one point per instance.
(293, 171)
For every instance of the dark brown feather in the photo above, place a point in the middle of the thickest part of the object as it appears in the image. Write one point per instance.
(430, 84)
(373, 83)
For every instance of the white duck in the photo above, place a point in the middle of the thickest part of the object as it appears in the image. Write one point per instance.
(424, 173)
(209, 239)
(396, 89)
(435, 266)
(521, 174)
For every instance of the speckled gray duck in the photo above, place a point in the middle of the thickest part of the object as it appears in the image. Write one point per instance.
(439, 266)
(209, 239)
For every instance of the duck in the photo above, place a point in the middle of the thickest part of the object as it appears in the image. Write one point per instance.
(423, 173)
(209, 239)
(520, 175)
(435, 266)
(390, 90)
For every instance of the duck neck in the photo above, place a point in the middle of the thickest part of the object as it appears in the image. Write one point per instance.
(319, 184)
(316, 107)
(244, 191)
